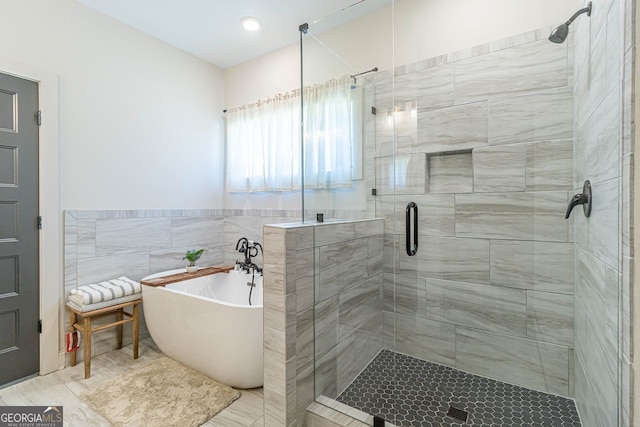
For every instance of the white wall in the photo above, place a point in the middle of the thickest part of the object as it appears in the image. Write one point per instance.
(140, 121)
(423, 29)
(434, 27)
(263, 77)
(121, 113)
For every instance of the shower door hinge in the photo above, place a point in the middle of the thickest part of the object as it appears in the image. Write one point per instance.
(374, 111)
(39, 118)
(39, 223)
(374, 192)
(40, 326)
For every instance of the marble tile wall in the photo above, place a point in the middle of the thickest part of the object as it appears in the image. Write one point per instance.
(491, 289)
(604, 105)
(342, 314)
(104, 244)
(450, 173)
(511, 130)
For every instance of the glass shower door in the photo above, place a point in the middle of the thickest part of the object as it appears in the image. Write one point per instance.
(479, 315)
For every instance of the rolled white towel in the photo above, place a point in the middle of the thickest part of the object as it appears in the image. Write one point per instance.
(105, 291)
(76, 299)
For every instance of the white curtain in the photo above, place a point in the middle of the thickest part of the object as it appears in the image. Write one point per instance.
(263, 141)
(263, 153)
(327, 135)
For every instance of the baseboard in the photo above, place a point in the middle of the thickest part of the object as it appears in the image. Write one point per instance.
(62, 362)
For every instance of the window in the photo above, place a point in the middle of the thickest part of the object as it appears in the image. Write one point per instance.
(263, 140)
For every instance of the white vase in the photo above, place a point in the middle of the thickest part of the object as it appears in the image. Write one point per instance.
(192, 268)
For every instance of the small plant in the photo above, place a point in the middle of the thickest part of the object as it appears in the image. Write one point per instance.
(192, 256)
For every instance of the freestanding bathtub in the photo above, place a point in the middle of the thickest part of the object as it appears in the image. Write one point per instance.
(207, 324)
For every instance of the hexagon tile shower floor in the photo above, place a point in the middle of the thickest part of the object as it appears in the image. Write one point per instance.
(412, 392)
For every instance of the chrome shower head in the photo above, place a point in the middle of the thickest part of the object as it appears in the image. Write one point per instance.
(560, 33)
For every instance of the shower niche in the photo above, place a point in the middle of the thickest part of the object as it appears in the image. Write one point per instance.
(450, 172)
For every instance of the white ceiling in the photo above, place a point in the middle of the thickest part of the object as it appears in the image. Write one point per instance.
(211, 29)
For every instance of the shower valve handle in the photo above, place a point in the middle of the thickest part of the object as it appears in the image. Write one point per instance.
(585, 199)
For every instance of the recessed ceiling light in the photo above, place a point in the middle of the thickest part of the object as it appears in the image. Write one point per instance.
(250, 23)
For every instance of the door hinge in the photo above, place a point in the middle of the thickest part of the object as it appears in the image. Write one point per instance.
(39, 223)
(39, 118)
(40, 326)
(374, 110)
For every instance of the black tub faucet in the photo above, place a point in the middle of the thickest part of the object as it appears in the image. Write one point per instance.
(250, 249)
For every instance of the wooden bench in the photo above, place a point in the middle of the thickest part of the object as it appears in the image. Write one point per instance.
(87, 329)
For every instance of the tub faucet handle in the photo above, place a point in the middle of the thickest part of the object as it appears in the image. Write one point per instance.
(242, 245)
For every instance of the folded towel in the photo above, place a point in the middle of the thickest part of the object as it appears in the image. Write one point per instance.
(83, 308)
(105, 291)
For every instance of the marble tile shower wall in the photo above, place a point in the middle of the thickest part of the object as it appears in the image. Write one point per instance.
(604, 258)
(348, 303)
(626, 315)
(484, 143)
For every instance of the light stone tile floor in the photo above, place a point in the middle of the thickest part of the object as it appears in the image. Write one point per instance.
(63, 388)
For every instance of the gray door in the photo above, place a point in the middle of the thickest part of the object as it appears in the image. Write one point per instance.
(19, 261)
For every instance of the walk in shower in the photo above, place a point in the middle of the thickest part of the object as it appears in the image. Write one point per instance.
(473, 301)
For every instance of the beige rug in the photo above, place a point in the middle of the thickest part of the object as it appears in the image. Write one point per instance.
(162, 393)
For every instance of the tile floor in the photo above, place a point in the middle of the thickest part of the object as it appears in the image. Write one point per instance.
(421, 393)
(63, 388)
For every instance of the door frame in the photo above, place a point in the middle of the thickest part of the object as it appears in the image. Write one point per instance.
(50, 239)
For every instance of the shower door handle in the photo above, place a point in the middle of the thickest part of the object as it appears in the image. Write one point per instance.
(412, 249)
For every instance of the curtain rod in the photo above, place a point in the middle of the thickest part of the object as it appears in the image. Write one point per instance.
(373, 70)
(353, 76)
(295, 92)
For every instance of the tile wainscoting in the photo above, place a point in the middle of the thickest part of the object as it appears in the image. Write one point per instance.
(104, 244)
